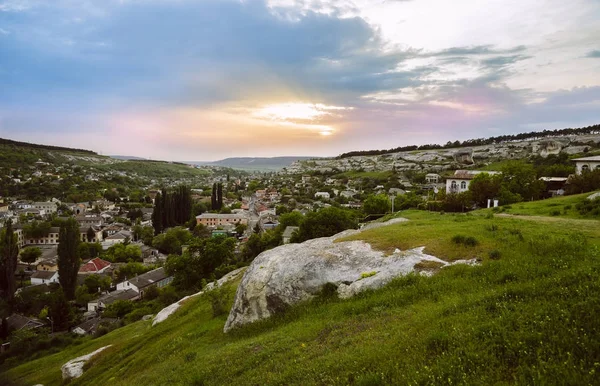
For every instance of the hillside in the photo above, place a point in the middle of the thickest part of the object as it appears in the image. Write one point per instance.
(449, 158)
(23, 157)
(526, 315)
(255, 163)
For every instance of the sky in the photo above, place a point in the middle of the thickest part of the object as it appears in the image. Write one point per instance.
(208, 79)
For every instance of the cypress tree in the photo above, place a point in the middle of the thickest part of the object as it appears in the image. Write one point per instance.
(68, 257)
(213, 197)
(220, 196)
(157, 216)
(9, 251)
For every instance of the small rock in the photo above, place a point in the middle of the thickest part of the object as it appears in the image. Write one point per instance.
(147, 317)
(74, 368)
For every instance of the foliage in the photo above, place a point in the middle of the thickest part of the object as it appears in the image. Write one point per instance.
(29, 255)
(201, 260)
(37, 229)
(8, 262)
(118, 309)
(407, 201)
(376, 204)
(130, 270)
(171, 241)
(68, 257)
(584, 182)
(219, 298)
(172, 208)
(121, 253)
(325, 222)
(589, 207)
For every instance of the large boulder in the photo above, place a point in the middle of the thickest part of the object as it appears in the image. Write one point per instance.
(74, 368)
(293, 273)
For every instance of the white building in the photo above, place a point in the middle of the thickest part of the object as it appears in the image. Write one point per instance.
(461, 180)
(324, 195)
(47, 207)
(44, 277)
(587, 164)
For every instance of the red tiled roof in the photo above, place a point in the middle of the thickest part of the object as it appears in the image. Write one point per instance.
(94, 265)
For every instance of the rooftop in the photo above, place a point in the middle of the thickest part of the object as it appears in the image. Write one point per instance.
(149, 278)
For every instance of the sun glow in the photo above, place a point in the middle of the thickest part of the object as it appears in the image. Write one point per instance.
(296, 111)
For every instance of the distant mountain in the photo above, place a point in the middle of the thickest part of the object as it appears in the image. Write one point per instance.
(127, 157)
(255, 163)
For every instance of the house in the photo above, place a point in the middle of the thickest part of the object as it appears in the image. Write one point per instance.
(43, 277)
(50, 239)
(432, 178)
(324, 195)
(47, 207)
(461, 180)
(347, 193)
(17, 322)
(107, 299)
(555, 186)
(90, 234)
(116, 238)
(155, 278)
(89, 327)
(287, 233)
(89, 220)
(587, 164)
(96, 265)
(396, 191)
(49, 264)
(218, 219)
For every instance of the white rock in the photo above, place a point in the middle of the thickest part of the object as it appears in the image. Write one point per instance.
(74, 368)
(593, 196)
(292, 273)
(169, 310)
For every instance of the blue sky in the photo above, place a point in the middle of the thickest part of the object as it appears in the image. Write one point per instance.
(208, 79)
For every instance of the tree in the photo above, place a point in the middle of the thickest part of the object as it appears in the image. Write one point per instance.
(324, 223)
(213, 197)
(485, 187)
(29, 255)
(9, 251)
(157, 216)
(68, 257)
(376, 204)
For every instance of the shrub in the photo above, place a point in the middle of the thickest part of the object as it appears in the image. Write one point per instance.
(458, 239)
(218, 297)
(365, 275)
(555, 213)
(471, 241)
(468, 241)
(494, 254)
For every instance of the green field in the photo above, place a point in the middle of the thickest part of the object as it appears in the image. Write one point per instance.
(384, 175)
(565, 207)
(526, 315)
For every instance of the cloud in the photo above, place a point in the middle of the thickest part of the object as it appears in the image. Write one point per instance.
(593, 54)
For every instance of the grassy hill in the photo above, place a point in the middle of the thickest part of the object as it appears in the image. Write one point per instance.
(23, 156)
(527, 314)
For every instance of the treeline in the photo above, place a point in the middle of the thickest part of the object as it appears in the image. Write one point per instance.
(4, 141)
(172, 208)
(479, 141)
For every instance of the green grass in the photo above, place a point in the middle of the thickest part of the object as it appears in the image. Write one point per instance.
(154, 169)
(527, 317)
(554, 207)
(381, 175)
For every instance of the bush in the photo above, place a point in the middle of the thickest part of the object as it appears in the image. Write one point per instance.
(468, 241)
(458, 239)
(555, 213)
(218, 297)
(494, 255)
(471, 241)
